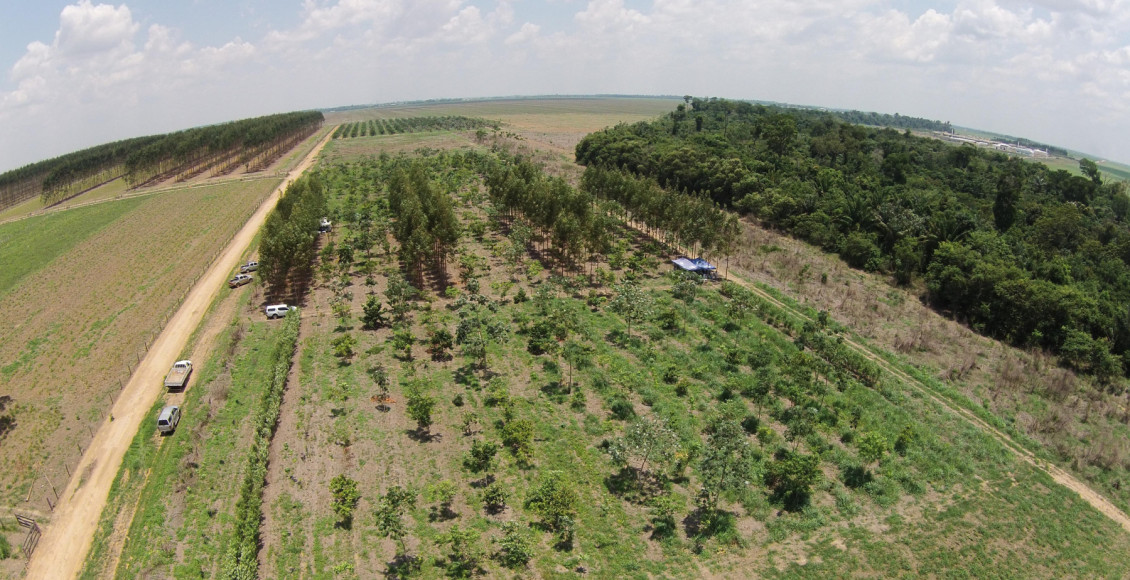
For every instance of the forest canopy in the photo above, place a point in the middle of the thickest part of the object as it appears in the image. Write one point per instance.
(1032, 255)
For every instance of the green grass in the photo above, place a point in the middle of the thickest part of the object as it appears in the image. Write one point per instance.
(29, 245)
(193, 475)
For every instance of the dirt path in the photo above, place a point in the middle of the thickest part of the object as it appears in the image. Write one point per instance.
(66, 540)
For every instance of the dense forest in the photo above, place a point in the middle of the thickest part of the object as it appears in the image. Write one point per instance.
(1035, 256)
(223, 148)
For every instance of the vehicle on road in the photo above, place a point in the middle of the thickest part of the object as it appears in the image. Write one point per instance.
(325, 226)
(239, 280)
(168, 419)
(249, 267)
(178, 375)
(278, 310)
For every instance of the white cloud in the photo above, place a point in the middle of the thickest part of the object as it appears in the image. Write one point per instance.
(1046, 70)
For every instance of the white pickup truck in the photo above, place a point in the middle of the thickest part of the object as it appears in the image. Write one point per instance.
(178, 375)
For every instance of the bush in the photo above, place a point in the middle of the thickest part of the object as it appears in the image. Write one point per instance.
(555, 500)
(345, 496)
(481, 457)
(519, 436)
(495, 497)
(622, 408)
(516, 548)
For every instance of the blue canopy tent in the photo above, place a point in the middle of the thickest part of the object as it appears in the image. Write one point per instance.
(696, 266)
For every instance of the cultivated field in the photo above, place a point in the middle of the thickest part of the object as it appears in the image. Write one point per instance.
(85, 291)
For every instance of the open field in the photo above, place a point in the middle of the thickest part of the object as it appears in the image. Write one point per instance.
(556, 124)
(97, 296)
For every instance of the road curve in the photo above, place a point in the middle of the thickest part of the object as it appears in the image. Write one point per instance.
(67, 538)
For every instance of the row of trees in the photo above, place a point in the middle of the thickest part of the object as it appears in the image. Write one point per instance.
(694, 222)
(425, 223)
(1025, 253)
(375, 127)
(286, 251)
(226, 145)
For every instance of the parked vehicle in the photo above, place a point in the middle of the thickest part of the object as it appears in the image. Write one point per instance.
(325, 226)
(279, 310)
(168, 419)
(239, 280)
(249, 267)
(178, 375)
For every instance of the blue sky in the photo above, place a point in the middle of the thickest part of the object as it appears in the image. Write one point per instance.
(80, 73)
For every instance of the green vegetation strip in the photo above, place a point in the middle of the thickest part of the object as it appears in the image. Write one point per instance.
(242, 558)
(29, 245)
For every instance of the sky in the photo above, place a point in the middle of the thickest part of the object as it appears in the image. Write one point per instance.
(84, 73)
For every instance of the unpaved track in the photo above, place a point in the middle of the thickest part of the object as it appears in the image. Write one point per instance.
(66, 540)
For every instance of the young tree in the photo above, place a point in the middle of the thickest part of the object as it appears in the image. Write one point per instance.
(872, 447)
(726, 464)
(373, 314)
(343, 346)
(645, 438)
(390, 515)
(420, 404)
(576, 355)
(792, 478)
(555, 501)
(516, 548)
(464, 559)
(440, 342)
(518, 435)
(481, 456)
(400, 295)
(345, 497)
(441, 493)
(632, 303)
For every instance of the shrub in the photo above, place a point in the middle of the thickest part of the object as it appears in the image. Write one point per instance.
(495, 497)
(345, 496)
(519, 436)
(555, 500)
(516, 548)
(481, 457)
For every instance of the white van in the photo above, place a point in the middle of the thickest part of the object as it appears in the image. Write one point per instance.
(168, 419)
(278, 310)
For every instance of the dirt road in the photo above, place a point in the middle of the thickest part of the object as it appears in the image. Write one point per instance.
(67, 539)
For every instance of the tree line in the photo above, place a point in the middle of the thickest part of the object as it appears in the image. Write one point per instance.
(375, 127)
(286, 250)
(1032, 255)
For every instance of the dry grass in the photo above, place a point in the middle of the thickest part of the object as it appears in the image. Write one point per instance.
(90, 312)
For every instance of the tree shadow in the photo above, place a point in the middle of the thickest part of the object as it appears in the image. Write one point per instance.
(856, 476)
(403, 566)
(483, 482)
(423, 435)
(344, 524)
(556, 391)
(634, 485)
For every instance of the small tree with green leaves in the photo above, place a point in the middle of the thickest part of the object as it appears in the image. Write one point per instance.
(727, 460)
(465, 555)
(872, 447)
(555, 501)
(518, 435)
(632, 303)
(495, 496)
(792, 478)
(441, 493)
(345, 498)
(516, 548)
(373, 315)
(481, 457)
(645, 439)
(420, 404)
(400, 295)
(390, 515)
(440, 343)
(344, 346)
(341, 312)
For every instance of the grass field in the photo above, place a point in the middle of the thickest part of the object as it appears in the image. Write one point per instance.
(84, 305)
